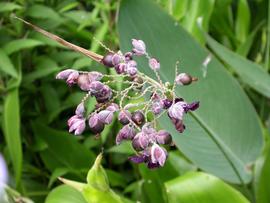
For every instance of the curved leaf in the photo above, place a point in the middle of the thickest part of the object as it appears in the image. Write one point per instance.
(65, 194)
(11, 125)
(250, 72)
(19, 44)
(197, 187)
(6, 64)
(222, 137)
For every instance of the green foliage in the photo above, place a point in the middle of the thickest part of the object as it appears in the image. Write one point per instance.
(187, 188)
(222, 138)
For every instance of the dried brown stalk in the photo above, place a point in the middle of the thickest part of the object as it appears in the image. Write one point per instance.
(54, 37)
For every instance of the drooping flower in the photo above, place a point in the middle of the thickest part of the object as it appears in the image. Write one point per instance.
(63, 75)
(154, 156)
(163, 137)
(140, 141)
(71, 76)
(124, 117)
(183, 79)
(105, 116)
(158, 155)
(80, 110)
(116, 59)
(177, 110)
(179, 126)
(154, 64)
(121, 68)
(77, 124)
(157, 106)
(138, 47)
(102, 92)
(126, 133)
(107, 60)
(84, 80)
(131, 68)
(138, 117)
(96, 126)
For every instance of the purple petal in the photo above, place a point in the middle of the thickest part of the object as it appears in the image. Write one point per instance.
(137, 159)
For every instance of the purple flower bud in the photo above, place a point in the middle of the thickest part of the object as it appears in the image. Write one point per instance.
(121, 68)
(158, 155)
(124, 117)
(192, 106)
(148, 129)
(116, 59)
(80, 110)
(140, 141)
(3, 174)
(76, 124)
(72, 78)
(113, 107)
(138, 117)
(128, 56)
(132, 68)
(138, 47)
(64, 74)
(183, 79)
(105, 116)
(157, 107)
(163, 137)
(96, 126)
(138, 159)
(126, 133)
(167, 103)
(107, 60)
(96, 87)
(154, 64)
(177, 111)
(104, 95)
(179, 126)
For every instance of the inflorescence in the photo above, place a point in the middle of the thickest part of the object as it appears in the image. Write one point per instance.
(139, 119)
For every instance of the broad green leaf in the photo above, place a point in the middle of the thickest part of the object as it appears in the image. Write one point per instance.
(8, 6)
(198, 187)
(6, 65)
(223, 136)
(73, 156)
(250, 72)
(242, 21)
(11, 126)
(65, 194)
(263, 195)
(19, 44)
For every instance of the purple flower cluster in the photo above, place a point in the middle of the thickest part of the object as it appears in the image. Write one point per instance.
(138, 119)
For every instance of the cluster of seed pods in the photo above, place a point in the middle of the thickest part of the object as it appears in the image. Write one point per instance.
(139, 119)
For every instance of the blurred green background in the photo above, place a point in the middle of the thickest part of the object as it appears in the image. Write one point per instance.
(224, 154)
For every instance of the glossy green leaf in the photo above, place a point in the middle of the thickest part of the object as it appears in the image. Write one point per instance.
(19, 44)
(6, 65)
(65, 194)
(250, 72)
(63, 150)
(213, 139)
(198, 187)
(11, 126)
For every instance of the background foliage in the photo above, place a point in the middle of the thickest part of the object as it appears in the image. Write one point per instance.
(227, 137)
